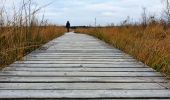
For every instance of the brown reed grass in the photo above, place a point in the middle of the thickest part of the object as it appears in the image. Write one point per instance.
(23, 33)
(150, 45)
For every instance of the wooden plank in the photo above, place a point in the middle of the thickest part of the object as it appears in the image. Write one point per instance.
(104, 54)
(112, 94)
(82, 51)
(96, 49)
(81, 55)
(80, 65)
(76, 79)
(76, 53)
(91, 45)
(81, 86)
(122, 56)
(67, 74)
(78, 47)
(75, 62)
(95, 60)
(77, 57)
(95, 53)
(80, 69)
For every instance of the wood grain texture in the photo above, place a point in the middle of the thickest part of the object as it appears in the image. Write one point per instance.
(78, 66)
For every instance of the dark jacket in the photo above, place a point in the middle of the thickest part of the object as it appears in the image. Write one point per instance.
(68, 24)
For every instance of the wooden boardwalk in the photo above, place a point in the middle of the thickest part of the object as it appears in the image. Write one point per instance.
(78, 66)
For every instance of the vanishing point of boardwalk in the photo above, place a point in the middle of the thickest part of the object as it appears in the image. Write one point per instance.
(78, 66)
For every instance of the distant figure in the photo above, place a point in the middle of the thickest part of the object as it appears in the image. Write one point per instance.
(68, 26)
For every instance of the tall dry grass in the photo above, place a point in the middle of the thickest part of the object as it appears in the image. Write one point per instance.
(150, 45)
(22, 32)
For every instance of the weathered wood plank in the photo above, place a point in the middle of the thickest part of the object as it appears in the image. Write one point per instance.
(75, 62)
(112, 94)
(57, 55)
(76, 79)
(80, 86)
(76, 57)
(79, 69)
(97, 49)
(95, 60)
(80, 65)
(76, 53)
(83, 51)
(67, 74)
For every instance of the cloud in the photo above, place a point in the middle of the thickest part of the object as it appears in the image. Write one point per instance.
(83, 12)
(108, 14)
(100, 7)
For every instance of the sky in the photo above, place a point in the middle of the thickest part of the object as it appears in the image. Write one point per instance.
(84, 12)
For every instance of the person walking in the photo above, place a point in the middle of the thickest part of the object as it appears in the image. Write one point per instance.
(68, 26)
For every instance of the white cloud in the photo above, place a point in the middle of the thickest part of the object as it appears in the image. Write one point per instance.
(100, 7)
(83, 12)
(108, 14)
